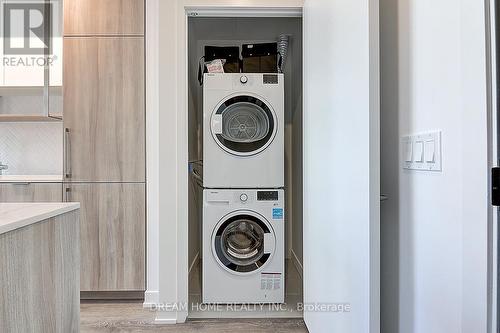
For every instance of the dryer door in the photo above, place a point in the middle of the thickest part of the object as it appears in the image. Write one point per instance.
(244, 125)
(243, 242)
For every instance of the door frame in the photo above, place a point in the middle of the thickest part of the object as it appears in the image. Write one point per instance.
(183, 95)
(167, 233)
(493, 160)
(167, 172)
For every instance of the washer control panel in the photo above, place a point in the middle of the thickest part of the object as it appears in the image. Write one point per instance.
(271, 197)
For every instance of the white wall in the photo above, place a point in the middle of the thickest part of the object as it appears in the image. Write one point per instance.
(295, 177)
(475, 202)
(341, 163)
(433, 77)
(152, 40)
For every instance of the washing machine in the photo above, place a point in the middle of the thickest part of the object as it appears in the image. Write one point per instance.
(243, 130)
(243, 246)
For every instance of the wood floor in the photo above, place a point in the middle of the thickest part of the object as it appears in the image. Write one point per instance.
(131, 317)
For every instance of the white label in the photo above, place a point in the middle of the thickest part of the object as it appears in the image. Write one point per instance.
(270, 281)
(217, 124)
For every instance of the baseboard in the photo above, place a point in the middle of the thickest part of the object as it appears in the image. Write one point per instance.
(297, 264)
(166, 318)
(151, 298)
(112, 295)
(170, 317)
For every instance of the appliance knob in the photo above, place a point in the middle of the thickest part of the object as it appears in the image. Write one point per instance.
(243, 79)
(243, 197)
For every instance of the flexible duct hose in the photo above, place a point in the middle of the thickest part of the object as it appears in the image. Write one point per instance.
(283, 42)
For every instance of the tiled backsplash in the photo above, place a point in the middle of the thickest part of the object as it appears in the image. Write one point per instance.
(32, 148)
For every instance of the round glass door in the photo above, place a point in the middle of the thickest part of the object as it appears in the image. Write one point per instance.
(238, 243)
(246, 125)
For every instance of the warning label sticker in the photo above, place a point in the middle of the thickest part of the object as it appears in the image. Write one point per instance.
(270, 281)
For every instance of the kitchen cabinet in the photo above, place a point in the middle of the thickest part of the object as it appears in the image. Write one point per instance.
(104, 109)
(104, 139)
(39, 258)
(112, 235)
(31, 192)
(31, 79)
(103, 17)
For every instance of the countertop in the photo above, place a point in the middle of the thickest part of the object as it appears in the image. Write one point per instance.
(31, 178)
(17, 215)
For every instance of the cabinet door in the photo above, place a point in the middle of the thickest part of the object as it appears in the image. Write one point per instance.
(112, 223)
(31, 192)
(104, 112)
(103, 17)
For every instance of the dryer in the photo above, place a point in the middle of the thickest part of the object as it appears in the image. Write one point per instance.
(243, 246)
(243, 130)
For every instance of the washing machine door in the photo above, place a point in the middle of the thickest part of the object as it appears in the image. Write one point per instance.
(243, 242)
(244, 125)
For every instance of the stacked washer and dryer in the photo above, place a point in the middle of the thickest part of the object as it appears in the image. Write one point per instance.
(243, 232)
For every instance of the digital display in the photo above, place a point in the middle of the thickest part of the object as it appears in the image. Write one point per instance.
(267, 196)
(270, 79)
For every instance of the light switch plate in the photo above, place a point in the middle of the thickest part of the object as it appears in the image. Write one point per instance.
(426, 151)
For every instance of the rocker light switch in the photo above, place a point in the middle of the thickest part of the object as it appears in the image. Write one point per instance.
(430, 151)
(408, 151)
(419, 151)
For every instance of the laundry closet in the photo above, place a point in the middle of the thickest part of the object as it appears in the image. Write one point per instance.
(245, 163)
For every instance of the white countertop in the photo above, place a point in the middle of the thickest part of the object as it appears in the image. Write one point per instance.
(17, 215)
(31, 178)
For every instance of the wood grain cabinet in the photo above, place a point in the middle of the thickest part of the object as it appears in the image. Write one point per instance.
(104, 139)
(31, 192)
(103, 17)
(39, 265)
(112, 223)
(104, 109)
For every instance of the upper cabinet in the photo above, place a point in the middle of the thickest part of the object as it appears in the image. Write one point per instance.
(31, 66)
(31, 57)
(103, 17)
(104, 111)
